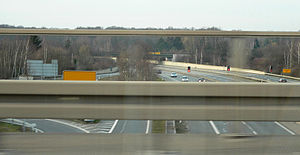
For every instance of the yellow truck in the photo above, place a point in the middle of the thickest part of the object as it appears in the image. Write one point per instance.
(79, 75)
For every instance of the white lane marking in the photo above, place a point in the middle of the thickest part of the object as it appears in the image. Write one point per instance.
(39, 130)
(251, 129)
(57, 121)
(286, 129)
(148, 127)
(214, 127)
(113, 127)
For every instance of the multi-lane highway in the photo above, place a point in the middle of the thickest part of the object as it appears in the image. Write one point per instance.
(226, 127)
(50, 126)
(133, 126)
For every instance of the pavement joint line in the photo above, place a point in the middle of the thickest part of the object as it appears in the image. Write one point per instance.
(248, 126)
(148, 126)
(68, 124)
(87, 128)
(113, 127)
(285, 128)
(95, 130)
(214, 127)
(106, 128)
(123, 127)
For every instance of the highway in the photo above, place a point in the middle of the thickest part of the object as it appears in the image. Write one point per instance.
(132, 126)
(49, 126)
(224, 127)
(202, 73)
(258, 76)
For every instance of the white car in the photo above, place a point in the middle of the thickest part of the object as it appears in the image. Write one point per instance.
(173, 75)
(185, 79)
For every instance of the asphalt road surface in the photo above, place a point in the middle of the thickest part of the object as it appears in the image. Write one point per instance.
(53, 127)
(131, 126)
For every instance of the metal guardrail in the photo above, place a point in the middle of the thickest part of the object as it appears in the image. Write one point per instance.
(147, 32)
(150, 100)
(22, 123)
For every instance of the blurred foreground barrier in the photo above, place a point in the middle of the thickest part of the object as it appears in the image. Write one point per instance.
(150, 100)
(154, 144)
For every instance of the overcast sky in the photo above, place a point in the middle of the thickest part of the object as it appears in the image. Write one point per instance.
(259, 15)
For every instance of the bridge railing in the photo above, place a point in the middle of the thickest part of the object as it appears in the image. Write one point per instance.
(150, 100)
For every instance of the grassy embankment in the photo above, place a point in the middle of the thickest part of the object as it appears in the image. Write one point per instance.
(6, 127)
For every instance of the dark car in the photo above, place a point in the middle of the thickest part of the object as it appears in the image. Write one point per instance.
(158, 71)
(201, 80)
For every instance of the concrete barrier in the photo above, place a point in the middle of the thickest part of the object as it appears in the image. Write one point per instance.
(210, 67)
(234, 69)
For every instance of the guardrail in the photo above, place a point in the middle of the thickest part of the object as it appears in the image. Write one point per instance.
(22, 123)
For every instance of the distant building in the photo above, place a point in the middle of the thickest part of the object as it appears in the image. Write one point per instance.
(37, 68)
(180, 57)
(25, 78)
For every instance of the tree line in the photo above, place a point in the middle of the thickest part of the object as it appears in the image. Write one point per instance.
(79, 53)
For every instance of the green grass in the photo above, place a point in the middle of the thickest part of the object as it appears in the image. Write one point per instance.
(158, 126)
(159, 79)
(6, 127)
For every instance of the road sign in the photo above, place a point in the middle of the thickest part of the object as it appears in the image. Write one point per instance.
(286, 70)
(154, 53)
(80, 75)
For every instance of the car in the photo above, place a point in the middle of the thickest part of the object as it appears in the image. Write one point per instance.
(185, 79)
(158, 71)
(173, 75)
(201, 80)
(282, 80)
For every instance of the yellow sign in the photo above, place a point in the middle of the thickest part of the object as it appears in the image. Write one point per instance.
(154, 53)
(80, 75)
(286, 70)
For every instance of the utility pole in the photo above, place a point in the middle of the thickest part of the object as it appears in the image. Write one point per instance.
(196, 56)
(298, 52)
(201, 57)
